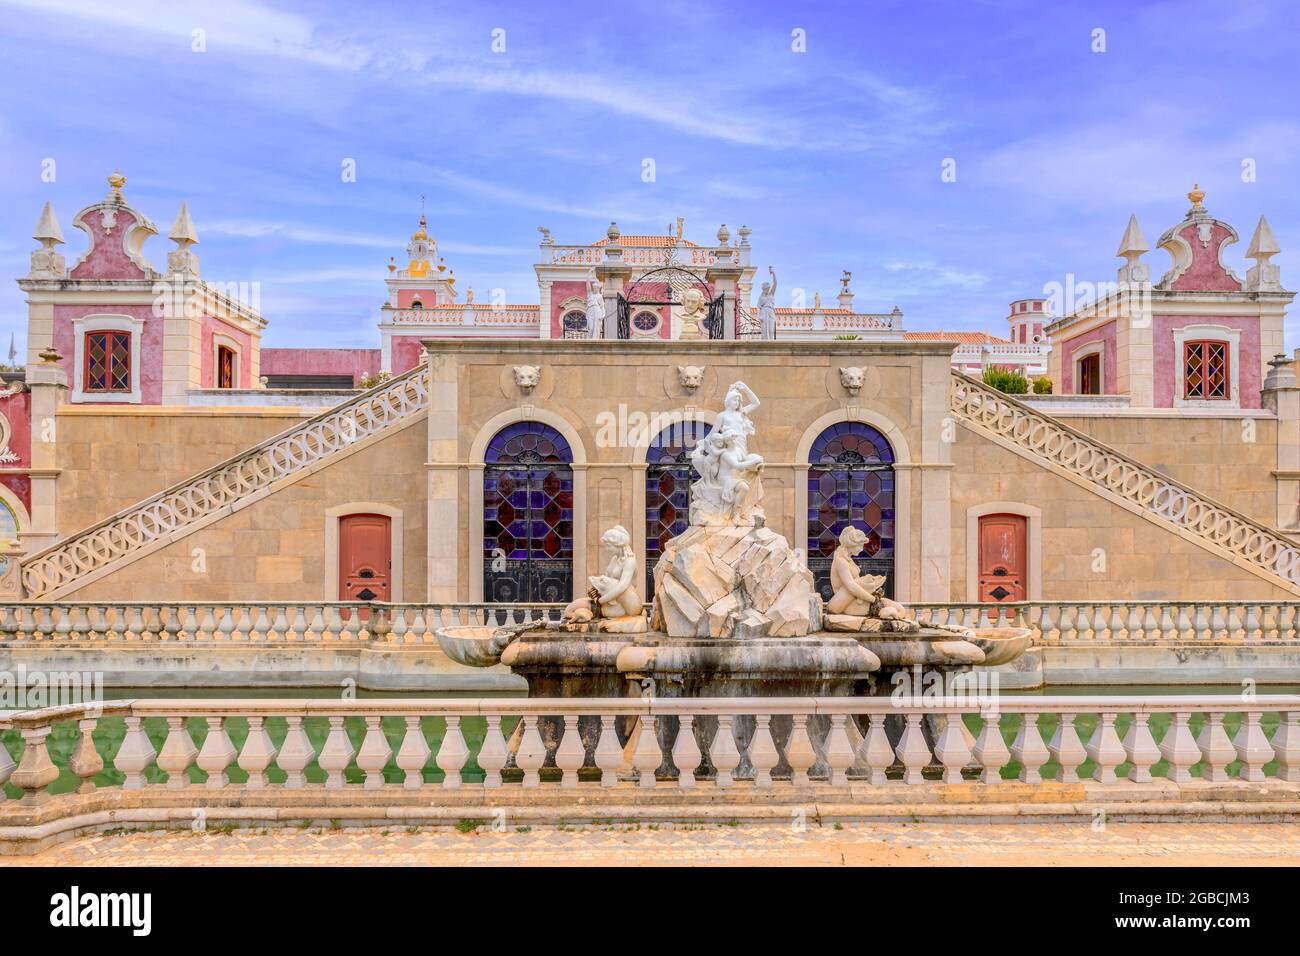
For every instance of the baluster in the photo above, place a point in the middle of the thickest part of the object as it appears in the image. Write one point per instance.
(7, 766)
(1218, 624)
(646, 753)
(1116, 624)
(723, 751)
(258, 753)
(1100, 629)
(296, 754)
(35, 770)
(1188, 624)
(1179, 748)
(799, 752)
(1216, 749)
(1168, 628)
(319, 626)
(420, 630)
(1028, 750)
(336, 755)
(373, 756)
(1134, 623)
(207, 626)
(414, 754)
(492, 755)
(686, 752)
(135, 754)
(64, 626)
(1066, 749)
(1140, 748)
(226, 625)
(1271, 614)
(454, 754)
(1286, 747)
(150, 623)
(1069, 629)
(1252, 626)
(217, 753)
(570, 754)
(532, 753)
(399, 632)
(876, 751)
(94, 623)
(1106, 750)
(1286, 622)
(951, 749)
(351, 630)
(838, 751)
(177, 754)
(280, 625)
(912, 751)
(608, 755)
(1252, 746)
(1233, 629)
(990, 750)
(762, 751)
(189, 625)
(85, 761)
(134, 624)
(43, 623)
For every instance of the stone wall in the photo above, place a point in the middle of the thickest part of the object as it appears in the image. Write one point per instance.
(274, 549)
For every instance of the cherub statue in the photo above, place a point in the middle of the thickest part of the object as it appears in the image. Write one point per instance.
(615, 592)
(861, 596)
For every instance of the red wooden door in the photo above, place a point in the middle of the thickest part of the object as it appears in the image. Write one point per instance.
(365, 558)
(1003, 564)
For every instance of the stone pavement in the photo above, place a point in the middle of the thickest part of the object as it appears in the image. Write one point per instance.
(855, 844)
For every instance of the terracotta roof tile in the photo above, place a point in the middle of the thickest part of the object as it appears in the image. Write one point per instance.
(662, 242)
(961, 338)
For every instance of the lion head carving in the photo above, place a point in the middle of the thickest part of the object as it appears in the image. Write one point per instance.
(690, 376)
(528, 376)
(852, 379)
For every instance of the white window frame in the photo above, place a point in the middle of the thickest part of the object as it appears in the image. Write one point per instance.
(1196, 333)
(105, 323)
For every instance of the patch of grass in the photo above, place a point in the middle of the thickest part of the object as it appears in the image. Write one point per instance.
(470, 825)
(523, 829)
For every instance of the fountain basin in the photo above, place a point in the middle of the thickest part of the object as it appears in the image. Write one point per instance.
(1002, 644)
(474, 645)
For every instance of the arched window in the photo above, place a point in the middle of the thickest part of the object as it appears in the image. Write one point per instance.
(8, 525)
(417, 304)
(528, 515)
(668, 480)
(851, 481)
(645, 323)
(575, 325)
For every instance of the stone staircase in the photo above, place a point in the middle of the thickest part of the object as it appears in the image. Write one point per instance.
(1113, 475)
(224, 488)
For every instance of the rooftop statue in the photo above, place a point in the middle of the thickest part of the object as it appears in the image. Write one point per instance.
(767, 306)
(595, 309)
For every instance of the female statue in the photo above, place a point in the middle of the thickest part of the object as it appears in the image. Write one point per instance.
(614, 590)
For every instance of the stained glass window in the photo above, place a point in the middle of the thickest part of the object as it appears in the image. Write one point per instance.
(1205, 370)
(851, 481)
(108, 362)
(667, 489)
(528, 515)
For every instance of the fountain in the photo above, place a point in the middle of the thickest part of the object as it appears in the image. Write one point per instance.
(735, 612)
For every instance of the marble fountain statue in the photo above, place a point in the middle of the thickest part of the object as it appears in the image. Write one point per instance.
(735, 611)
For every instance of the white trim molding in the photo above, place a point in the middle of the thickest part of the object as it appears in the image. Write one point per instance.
(1033, 545)
(105, 323)
(395, 541)
(1194, 333)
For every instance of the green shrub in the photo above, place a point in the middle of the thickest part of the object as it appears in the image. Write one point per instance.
(1042, 385)
(1006, 380)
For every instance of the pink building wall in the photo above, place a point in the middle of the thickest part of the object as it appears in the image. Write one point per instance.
(1206, 273)
(106, 258)
(1109, 357)
(561, 292)
(407, 353)
(150, 347)
(358, 363)
(1248, 358)
(17, 410)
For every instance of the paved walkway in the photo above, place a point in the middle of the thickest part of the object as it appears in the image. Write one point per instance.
(889, 844)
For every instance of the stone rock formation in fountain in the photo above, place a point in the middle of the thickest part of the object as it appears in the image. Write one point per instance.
(728, 575)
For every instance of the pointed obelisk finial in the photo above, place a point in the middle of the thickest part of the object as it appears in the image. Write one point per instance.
(1263, 276)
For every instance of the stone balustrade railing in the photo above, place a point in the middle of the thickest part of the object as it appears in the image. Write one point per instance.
(186, 505)
(715, 743)
(1113, 474)
(1059, 622)
(1064, 622)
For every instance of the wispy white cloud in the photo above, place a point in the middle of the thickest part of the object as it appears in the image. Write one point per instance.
(313, 235)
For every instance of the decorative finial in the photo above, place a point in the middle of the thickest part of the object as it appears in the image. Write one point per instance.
(183, 232)
(392, 264)
(47, 231)
(844, 279)
(1197, 196)
(50, 355)
(681, 224)
(724, 236)
(116, 181)
(612, 232)
(744, 233)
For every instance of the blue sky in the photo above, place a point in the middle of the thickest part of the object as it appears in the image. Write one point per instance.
(832, 156)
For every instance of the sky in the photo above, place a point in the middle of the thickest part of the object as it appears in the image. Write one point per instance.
(952, 156)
